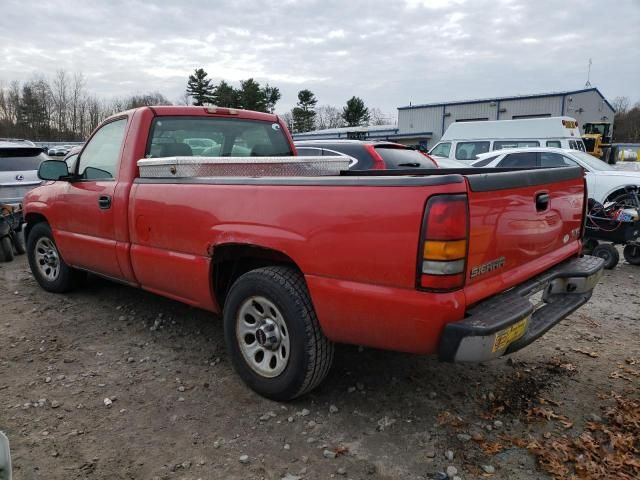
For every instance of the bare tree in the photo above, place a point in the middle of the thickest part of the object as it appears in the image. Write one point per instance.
(76, 99)
(621, 104)
(376, 117)
(328, 116)
(287, 118)
(60, 91)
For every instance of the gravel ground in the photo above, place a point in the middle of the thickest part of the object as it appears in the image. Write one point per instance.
(110, 382)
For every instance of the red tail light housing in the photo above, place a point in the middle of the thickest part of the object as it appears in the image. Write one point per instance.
(378, 161)
(444, 243)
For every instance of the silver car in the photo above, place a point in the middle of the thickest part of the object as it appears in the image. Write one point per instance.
(19, 165)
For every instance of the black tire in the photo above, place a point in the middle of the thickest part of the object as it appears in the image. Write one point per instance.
(631, 253)
(588, 245)
(19, 244)
(67, 278)
(608, 253)
(7, 249)
(310, 352)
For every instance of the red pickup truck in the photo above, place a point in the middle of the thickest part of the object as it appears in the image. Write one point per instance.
(432, 261)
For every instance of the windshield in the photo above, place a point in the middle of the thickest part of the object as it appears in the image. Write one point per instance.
(595, 128)
(592, 162)
(216, 137)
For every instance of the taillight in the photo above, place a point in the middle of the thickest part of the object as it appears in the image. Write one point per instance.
(585, 209)
(443, 244)
(378, 161)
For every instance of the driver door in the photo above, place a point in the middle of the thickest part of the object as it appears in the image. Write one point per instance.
(86, 232)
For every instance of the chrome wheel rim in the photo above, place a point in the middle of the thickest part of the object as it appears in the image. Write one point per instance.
(47, 259)
(263, 336)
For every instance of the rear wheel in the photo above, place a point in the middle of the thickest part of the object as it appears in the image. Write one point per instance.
(273, 335)
(608, 253)
(631, 253)
(6, 249)
(47, 265)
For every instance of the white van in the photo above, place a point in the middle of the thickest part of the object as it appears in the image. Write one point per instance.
(465, 140)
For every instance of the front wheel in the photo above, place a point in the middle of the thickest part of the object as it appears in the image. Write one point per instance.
(631, 253)
(273, 335)
(47, 265)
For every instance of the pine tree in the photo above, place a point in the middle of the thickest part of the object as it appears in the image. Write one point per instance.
(199, 87)
(224, 95)
(355, 113)
(303, 113)
(271, 95)
(251, 96)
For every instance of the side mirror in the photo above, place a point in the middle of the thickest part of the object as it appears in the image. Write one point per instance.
(53, 170)
(5, 458)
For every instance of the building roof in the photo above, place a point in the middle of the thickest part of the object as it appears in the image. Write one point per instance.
(515, 97)
(372, 132)
(372, 128)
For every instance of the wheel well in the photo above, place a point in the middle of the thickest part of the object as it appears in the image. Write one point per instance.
(31, 219)
(617, 192)
(232, 261)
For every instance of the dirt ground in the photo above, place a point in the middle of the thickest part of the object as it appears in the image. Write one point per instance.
(110, 382)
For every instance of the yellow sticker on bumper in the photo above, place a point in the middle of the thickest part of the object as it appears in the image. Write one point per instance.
(510, 335)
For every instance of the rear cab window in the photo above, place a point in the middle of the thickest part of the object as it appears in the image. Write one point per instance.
(441, 150)
(470, 150)
(20, 159)
(216, 137)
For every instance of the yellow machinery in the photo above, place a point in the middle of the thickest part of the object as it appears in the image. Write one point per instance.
(597, 140)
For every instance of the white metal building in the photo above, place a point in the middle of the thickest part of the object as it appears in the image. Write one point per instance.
(425, 124)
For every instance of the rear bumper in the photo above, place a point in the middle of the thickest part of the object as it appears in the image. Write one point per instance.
(509, 321)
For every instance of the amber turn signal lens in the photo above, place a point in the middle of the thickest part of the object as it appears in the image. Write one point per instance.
(444, 250)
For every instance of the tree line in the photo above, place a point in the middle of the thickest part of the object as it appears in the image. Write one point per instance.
(304, 117)
(626, 126)
(61, 108)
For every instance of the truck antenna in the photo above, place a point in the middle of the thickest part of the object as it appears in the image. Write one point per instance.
(588, 84)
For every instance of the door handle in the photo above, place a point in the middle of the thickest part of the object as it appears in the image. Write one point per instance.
(542, 201)
(104, 201)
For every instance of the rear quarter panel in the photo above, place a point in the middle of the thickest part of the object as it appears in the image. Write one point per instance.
(357, 247)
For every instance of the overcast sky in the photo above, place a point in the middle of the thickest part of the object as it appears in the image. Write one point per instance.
(390, 53)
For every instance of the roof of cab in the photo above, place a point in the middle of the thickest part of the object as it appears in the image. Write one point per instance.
(527, 128)
(212, 110)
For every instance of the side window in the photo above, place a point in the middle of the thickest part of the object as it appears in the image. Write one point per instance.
(470, 150)
(441, 150)
(99, 159)
(553, 143)
(572, 145)
(548, 159)
(309, 151)
(485, 161)
(580, 146)
(499, 145)
(520, 160)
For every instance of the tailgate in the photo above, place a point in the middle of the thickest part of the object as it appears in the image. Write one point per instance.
(521, 223)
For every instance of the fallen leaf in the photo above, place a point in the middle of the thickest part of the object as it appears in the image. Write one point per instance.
(585, 352)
